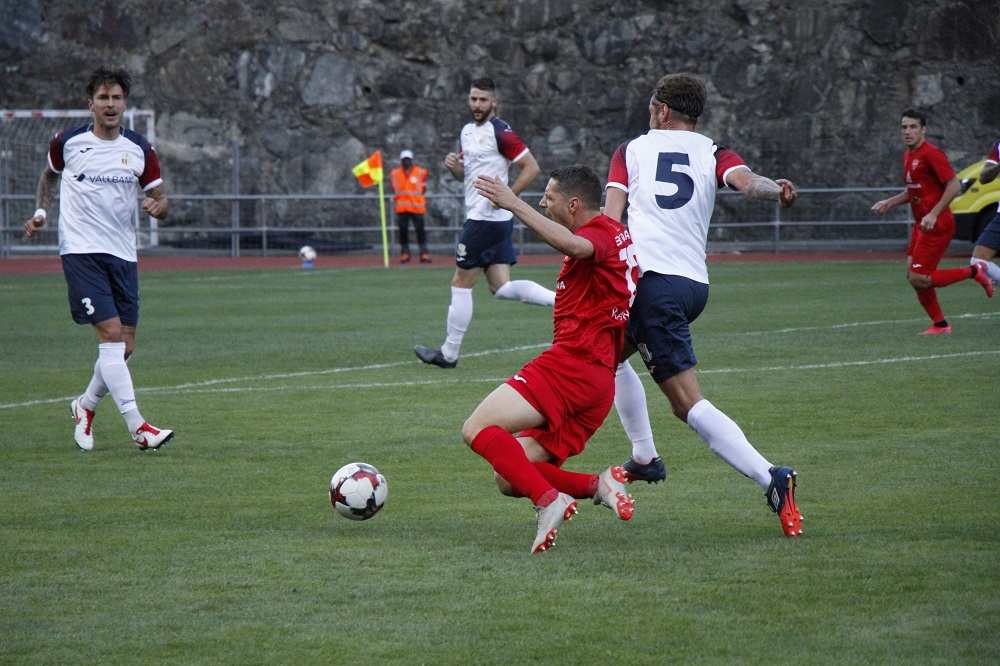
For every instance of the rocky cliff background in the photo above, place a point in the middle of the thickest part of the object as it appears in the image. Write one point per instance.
(305, 89)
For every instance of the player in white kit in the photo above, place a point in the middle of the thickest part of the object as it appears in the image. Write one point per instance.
(101, 168)
(668, 179)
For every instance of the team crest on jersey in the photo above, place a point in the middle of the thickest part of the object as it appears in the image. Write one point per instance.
(461, 251)
(914, 163)
(125, 158)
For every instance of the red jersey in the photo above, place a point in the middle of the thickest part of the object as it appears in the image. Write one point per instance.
(593, 296)
(925, 172)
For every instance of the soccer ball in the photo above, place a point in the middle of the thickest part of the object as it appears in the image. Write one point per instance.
(358, 491)
(307, 253)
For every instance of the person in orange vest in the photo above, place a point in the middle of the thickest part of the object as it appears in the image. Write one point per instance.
(408, 185)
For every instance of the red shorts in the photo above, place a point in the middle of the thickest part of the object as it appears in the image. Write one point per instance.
(573, 395)
(927, 248)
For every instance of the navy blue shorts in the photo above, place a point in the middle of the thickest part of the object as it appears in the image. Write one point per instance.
(484, 243)
(658, 325)
(991, 234)
(101, 287)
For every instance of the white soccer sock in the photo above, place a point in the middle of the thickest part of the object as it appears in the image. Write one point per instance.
(118, 379)
(728, 442)
(991, 269)
(459, 316)
(96, 389)
(630, 401)
(526, 291)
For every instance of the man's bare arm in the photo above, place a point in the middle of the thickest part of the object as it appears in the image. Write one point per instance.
(156, 203)
(44, 196)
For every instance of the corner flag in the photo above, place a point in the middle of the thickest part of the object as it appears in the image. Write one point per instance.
(369, 172)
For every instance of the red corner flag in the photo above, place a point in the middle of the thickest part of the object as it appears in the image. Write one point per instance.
(369, 172)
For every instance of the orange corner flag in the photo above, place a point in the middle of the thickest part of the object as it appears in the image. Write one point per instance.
(369, 172)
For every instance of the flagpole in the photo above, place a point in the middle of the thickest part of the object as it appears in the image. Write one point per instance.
(385, 238)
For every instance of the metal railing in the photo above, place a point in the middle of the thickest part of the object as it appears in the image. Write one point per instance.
(265, 224)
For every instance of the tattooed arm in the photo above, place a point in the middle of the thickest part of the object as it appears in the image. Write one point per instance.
(156, 203)
(759, 187)
(43, 201)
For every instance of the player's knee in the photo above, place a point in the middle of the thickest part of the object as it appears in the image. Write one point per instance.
(469, 431)
(919, 281)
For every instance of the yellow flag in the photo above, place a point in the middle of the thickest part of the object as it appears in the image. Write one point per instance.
(369, 172)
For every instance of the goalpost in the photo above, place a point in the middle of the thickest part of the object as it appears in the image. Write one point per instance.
(24, 143)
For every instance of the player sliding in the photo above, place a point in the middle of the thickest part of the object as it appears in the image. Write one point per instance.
(557, 401)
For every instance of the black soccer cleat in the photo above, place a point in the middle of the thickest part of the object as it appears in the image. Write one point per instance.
(433, 357)
(781, 498)
(651, 472)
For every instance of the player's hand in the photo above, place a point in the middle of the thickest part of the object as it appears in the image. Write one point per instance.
(788, 195)
(453, 161)
(34, 225)
(498, 194)
(152, 206)
(927, 224)
(881, 207)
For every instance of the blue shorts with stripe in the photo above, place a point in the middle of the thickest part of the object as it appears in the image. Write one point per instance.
(664, 307)
(484, 243)
(101, 287)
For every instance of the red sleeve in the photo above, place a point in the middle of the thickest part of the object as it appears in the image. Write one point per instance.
(940, 166)
(151, 174)
(508, 142)
(994, 155)
(618, 171)
(725, 160)
(56, 160)
(601, 237)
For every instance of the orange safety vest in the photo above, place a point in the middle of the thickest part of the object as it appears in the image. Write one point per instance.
(409, 189)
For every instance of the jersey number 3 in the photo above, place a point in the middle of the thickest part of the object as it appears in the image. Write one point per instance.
(665, 174)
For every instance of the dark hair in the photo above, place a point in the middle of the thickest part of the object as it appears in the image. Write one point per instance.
(919, 116)
(103, 76)
(484, 83)
(580, 181)
(683, 93)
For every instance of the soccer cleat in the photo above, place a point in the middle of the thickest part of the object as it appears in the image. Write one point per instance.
(549, 518)
(651, 472)
(83, 435)
(983, 279)
(433, 357)
(781, 498)
(147, 437)
(404, 258)
(425, 258)
(937, 330)
(612, 494)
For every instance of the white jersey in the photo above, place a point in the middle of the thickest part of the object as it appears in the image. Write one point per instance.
(671, 177)
(100, 188)
(488, 150)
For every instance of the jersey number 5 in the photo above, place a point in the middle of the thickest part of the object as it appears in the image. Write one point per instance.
(665, 174)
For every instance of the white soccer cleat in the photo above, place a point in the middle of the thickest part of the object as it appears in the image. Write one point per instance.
(549, 519)
(84, 434)
(147, 437)
(612, 494)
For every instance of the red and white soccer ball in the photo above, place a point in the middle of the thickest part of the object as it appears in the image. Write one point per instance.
(358, 491)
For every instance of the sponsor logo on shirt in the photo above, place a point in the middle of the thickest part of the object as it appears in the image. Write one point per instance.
(86, 149)
(112, 180)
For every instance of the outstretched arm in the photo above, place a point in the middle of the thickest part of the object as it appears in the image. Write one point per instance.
(761, 188)
(529, 170)
(43, 201)
(549, 231)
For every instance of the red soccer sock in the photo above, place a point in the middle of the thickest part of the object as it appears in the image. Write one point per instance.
(928, 299)
(575, 484)
(505, 454)
(946, 276)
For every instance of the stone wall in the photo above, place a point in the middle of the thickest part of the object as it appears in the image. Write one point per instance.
(806, 90)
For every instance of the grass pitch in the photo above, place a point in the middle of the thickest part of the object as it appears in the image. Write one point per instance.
(223, 548)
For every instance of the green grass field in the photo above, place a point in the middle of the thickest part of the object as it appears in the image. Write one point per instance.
(223, 548)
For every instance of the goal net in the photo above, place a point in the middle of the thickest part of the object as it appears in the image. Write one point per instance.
(24, 144)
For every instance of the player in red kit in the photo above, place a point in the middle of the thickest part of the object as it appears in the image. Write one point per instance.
(557, 401)
(930, 187)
